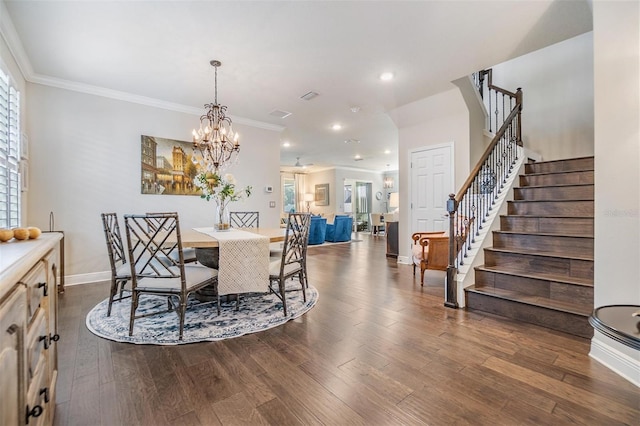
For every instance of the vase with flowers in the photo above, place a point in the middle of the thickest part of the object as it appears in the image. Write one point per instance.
(222, 189)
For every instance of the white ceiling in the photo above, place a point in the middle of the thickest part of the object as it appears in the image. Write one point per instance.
(273, 52)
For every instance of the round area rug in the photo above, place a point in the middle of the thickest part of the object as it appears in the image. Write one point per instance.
(258, 311)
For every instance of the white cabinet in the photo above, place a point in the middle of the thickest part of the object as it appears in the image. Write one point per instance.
(28, 330)
(13, 323)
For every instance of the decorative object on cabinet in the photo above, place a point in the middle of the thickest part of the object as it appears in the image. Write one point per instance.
(28, 323)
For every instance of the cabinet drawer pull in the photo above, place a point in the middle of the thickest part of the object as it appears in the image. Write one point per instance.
(46, 341)
(45, 391)
(44, 287)
(36, 411)
(12, 329)
(54, 337)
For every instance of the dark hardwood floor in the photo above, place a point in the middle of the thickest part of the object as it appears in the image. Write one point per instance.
(377, 349)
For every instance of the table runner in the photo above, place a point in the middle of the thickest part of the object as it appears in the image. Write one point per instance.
(244, 261)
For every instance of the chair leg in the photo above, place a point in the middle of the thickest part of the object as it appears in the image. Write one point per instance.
(112, 294)
(414, 269)
(182, 308)
(134, 306)
(422, 276)
(301, 278)
(284, 297)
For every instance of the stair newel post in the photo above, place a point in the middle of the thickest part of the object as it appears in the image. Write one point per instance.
(519, 121)
(451, 298)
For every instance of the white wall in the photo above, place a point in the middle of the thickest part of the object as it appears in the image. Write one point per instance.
(336, 178)
(439, 119)
(344, 175)
(617, 172)
(319, 178)
(85, 160)
(557, 85)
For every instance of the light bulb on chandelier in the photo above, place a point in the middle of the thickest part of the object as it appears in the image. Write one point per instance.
(215, 139)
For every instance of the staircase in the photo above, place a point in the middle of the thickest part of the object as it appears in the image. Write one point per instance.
(540, 268)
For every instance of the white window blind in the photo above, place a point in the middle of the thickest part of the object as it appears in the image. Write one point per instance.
(9, 153)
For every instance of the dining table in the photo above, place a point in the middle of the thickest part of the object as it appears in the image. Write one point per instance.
(241, 256)
(193, 238)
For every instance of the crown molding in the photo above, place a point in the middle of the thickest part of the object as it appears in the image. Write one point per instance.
(10, 36)
(142, 100)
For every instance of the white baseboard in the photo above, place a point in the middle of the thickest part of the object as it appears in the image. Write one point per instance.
(70, 280)
(610, 357)
(404, 260)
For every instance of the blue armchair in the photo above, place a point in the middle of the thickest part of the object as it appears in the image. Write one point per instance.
(317, 230)
(340, 229)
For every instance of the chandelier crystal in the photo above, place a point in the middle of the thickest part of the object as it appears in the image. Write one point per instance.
(215, 139)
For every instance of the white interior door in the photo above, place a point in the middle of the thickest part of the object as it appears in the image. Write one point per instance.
(431, 184)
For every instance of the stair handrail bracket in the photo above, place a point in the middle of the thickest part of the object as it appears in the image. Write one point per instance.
(472, 204)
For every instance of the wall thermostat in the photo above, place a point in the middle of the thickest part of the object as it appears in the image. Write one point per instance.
(268, 189)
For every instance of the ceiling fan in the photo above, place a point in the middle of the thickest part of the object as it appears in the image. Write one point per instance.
(300, 165)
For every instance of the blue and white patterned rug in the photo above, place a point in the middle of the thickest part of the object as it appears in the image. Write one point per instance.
(257, 312)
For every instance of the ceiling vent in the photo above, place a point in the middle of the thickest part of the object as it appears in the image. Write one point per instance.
(280, 114)
(309, 96)
(349, 141)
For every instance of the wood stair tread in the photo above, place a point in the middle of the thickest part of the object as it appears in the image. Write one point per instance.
(550, 201)
(539, 276)
(539, 216)
(558, 173)
(545, 234)
(549, 217)
(560, 185)
(539, 253)
(573, 308)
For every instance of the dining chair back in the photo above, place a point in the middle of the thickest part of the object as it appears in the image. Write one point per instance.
(120, 271)
(156, 221)
(245, 219)
(293, 260)
(157, 265)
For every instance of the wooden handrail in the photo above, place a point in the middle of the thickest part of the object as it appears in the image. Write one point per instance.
(490, 85)
(467, 184)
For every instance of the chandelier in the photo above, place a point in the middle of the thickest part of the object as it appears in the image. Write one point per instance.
(215, 139)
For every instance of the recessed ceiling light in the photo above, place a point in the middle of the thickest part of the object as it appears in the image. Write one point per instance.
(387, 151)
(357, 157)
(286, 144)
(337, 126)
(386, 76)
